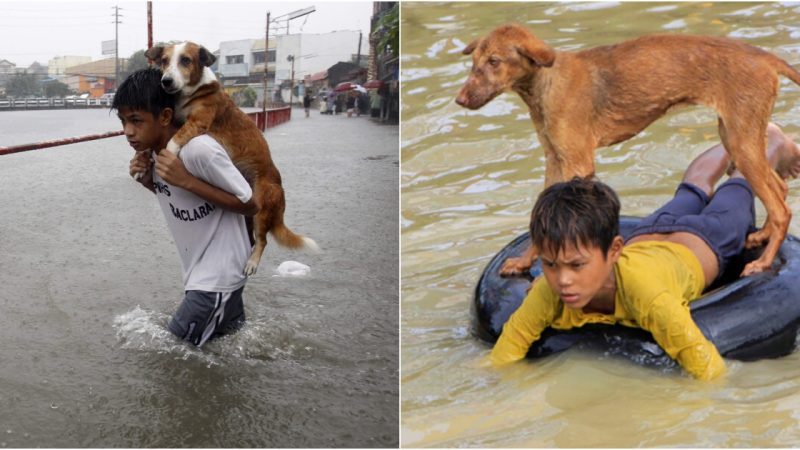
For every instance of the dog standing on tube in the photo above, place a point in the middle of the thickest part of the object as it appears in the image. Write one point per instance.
(579, 101)
(205, 108)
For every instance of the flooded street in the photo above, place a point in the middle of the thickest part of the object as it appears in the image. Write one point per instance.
(90, 277)
(468, 181)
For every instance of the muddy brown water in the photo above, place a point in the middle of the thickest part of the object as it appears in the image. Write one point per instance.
(468, 181)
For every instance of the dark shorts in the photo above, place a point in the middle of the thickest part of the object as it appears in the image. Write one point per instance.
(723, 221)
(206, 315)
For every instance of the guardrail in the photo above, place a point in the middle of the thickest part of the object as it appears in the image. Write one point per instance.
(275, 116)
(56, 142)
(52, 103)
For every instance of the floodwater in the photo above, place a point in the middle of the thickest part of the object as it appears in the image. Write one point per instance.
(90, 277)
(468, 182)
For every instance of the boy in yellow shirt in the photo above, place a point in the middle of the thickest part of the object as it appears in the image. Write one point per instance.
(592, 276)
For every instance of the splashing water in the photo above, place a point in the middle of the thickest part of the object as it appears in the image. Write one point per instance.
(256, 342)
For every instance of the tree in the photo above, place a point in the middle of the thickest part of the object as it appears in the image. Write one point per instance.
(246, 97)
(23, 85)
(56, 89)
(250, 97)
(388, 27)
(136, 62)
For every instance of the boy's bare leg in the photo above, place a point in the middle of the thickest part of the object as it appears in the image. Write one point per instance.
(707, 169)
(783, 154)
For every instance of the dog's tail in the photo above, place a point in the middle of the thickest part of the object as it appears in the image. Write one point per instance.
(787, 70)
(289, 239)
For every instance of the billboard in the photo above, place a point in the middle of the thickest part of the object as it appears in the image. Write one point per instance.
(108, 47)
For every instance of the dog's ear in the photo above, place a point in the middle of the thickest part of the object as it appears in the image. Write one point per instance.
(154, 53)
(206, 57)
(470, 48)
(537, 51)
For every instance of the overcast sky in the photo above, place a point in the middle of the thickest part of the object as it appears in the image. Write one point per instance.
(37, 30)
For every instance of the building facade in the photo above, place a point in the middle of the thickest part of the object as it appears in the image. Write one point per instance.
(384, 65)
(241, 62)
(95, 78)
(57, 66)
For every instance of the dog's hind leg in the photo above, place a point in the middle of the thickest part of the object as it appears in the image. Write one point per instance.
(261, 223)
(744, 136)
(269, 198)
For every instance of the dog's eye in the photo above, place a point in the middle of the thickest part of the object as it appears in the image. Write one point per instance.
(185, 61)
(494, 61)
(164, 61)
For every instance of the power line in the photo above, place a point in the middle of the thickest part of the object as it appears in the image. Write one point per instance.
(48, 26)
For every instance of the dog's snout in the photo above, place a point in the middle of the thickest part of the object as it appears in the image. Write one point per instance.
(461, 100)
(166, 82)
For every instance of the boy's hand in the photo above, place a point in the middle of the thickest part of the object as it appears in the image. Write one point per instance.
(140, 165)
(171, 169)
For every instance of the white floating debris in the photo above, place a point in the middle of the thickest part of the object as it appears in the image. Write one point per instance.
(292, 269)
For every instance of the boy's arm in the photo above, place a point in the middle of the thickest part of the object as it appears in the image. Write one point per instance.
(140, 165)
(174, 172)
(672, 326)
(525, 325)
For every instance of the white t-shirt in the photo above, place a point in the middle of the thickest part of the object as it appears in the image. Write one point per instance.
(212, 242)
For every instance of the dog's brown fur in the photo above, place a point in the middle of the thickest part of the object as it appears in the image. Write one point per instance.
(210, 110)
(579, 101)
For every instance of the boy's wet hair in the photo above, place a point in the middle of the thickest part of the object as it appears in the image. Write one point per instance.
(581, 212)
(142, 91)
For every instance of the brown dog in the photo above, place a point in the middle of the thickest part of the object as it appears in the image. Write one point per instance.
(207, 109)
(579, 101)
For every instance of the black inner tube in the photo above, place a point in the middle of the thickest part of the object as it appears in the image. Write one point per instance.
(749, 318)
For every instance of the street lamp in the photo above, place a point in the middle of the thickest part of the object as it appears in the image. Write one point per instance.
(290, 16)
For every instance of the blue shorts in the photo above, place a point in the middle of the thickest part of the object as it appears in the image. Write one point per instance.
(723, 221)
(205, 315)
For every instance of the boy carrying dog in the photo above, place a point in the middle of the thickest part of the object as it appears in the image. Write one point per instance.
(204, 199)
(592, 276)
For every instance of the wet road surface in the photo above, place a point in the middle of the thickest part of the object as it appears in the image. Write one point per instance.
(90, 276)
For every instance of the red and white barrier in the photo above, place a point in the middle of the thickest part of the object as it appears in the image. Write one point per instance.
(56, 142)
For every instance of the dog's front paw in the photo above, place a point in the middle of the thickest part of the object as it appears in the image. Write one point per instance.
(250, 268)
(754, 267)
(173, 147)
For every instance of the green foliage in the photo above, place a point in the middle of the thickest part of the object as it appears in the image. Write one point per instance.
(23, 85)
(56, 89)
(250, 97)
(137, 61)
(388, 29)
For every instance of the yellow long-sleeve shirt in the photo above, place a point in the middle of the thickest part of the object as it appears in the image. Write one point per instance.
(656, 280)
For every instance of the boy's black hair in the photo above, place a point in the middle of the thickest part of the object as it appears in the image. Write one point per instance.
(142, 91)
(580, 211)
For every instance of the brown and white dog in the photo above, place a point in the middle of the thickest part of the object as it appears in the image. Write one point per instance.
(205, 108)
(579, 101)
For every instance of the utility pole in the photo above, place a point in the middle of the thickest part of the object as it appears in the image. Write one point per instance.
(149, 24)
(291, 86)
(358, 58)
(266, 66)
(116, 45)
(291, 15)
